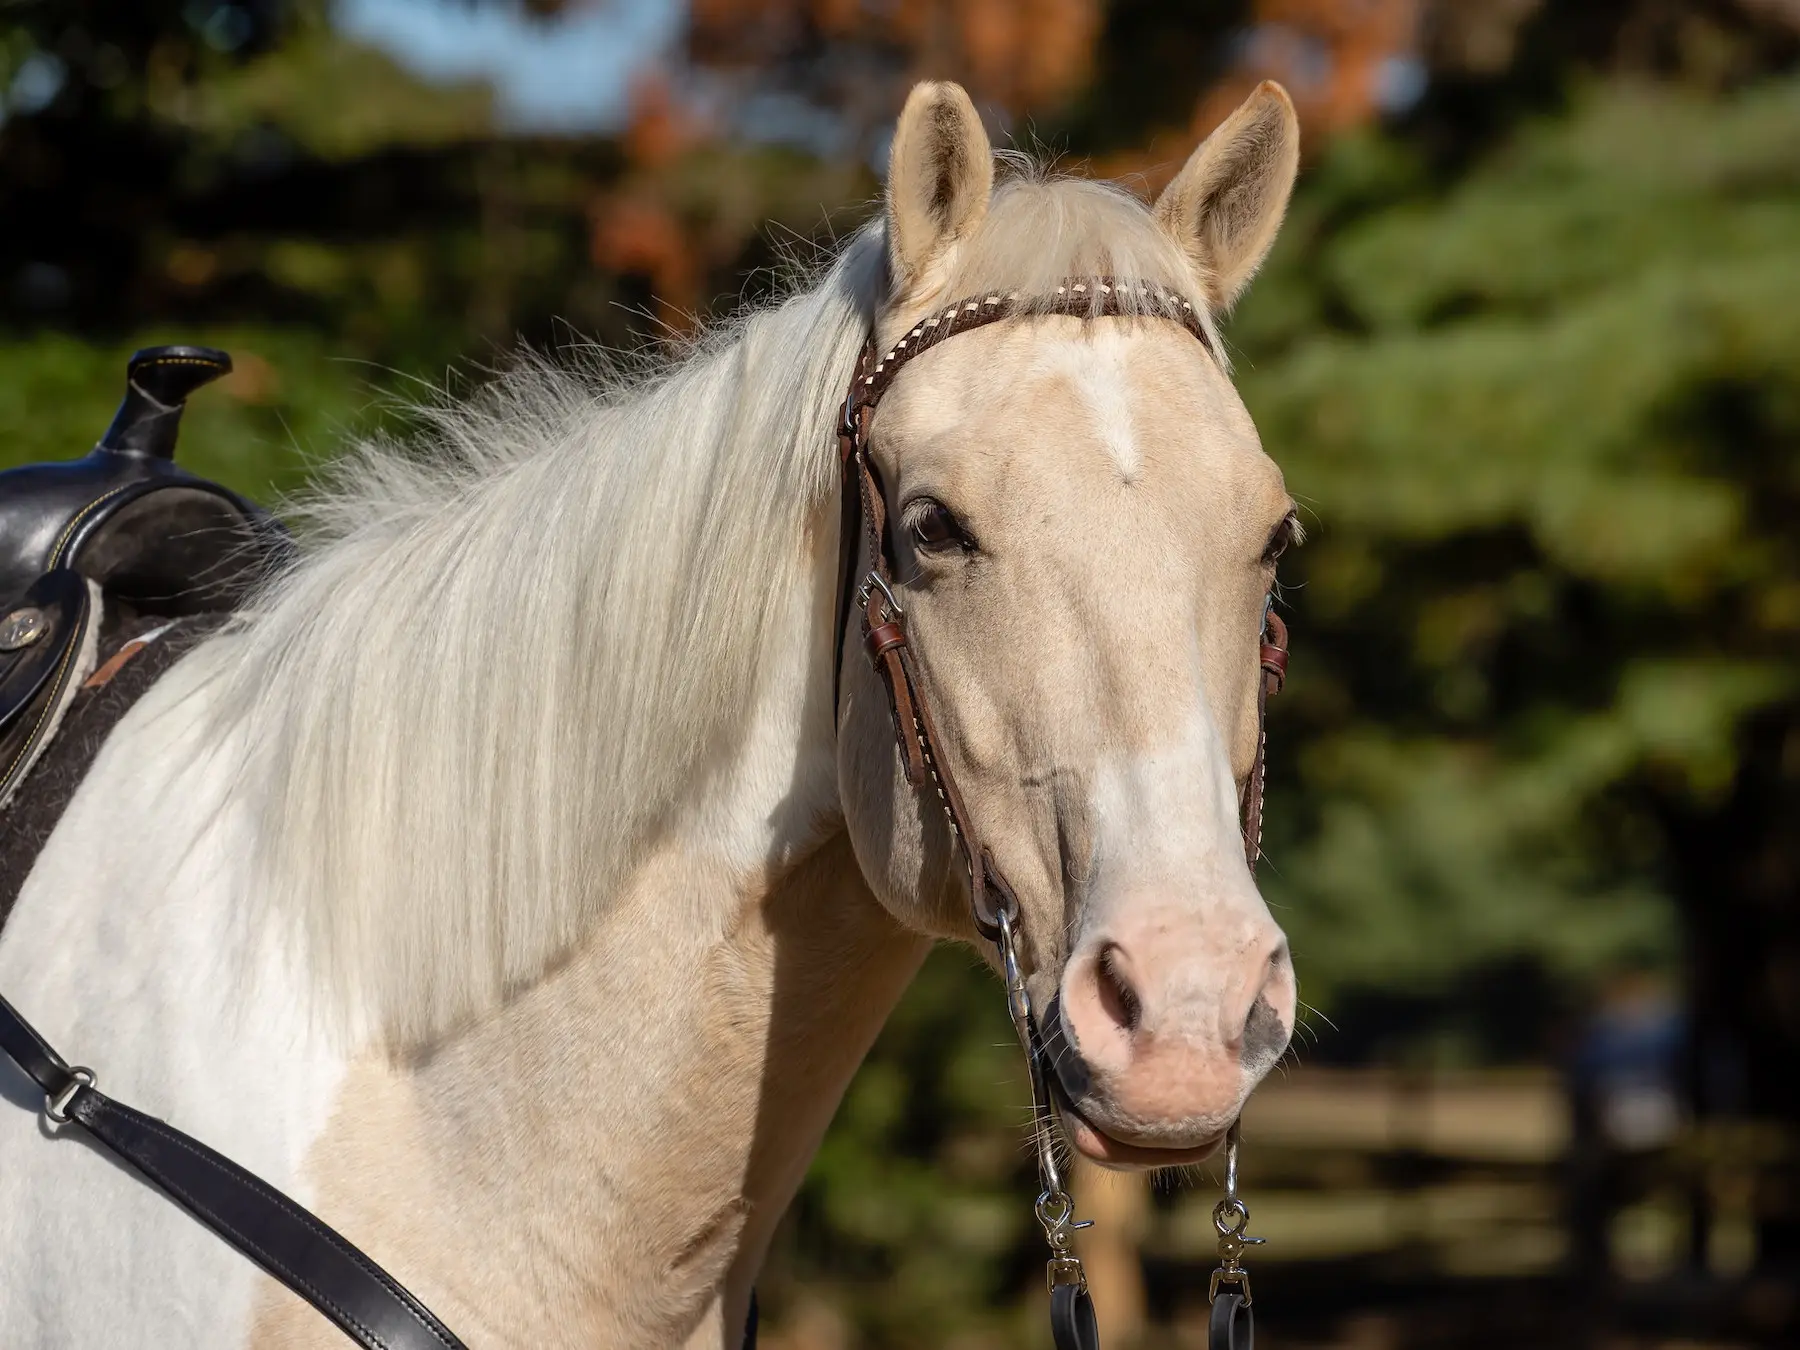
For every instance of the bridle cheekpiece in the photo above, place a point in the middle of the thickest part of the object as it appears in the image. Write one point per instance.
(864, 531)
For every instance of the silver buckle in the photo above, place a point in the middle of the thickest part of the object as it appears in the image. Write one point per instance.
(57, 1107)
(873, 583)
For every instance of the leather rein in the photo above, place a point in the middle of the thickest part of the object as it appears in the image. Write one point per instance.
(865, 533)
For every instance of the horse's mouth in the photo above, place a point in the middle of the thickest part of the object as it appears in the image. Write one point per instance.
(1088, 1138)
(1093, 1142)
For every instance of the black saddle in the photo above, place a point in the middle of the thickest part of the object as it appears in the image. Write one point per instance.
(96, 549)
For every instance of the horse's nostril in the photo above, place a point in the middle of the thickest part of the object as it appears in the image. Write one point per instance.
(1117, 998)
(1065, 1058)
(1265, 1036)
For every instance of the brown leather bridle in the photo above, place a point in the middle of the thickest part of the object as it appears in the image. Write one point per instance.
(884, 633)
(884, 621)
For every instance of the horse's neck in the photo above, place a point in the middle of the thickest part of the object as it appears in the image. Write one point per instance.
(601, 1162)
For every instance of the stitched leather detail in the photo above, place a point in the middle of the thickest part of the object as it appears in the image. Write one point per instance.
(96, 1112)
(70, 530)
(94, 1117)
(1274, 654)
(884, 637)
(75, 603)
(57, 682)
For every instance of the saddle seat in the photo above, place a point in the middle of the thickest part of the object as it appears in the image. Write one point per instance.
(96, 551)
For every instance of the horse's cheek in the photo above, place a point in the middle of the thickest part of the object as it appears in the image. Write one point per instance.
(902, 847)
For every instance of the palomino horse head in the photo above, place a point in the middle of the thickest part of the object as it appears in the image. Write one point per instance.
(1085, 531)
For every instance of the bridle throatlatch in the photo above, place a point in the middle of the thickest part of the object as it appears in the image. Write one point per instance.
(865, 534)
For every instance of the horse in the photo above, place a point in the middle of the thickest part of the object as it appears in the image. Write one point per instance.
(519, 880)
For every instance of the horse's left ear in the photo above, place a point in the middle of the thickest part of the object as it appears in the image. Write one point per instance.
(1227, 202)
(940, 174)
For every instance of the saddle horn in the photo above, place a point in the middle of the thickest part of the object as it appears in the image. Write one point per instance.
(158, 381)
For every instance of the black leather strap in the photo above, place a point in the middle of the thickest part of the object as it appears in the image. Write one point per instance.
(370, 1306)
(1231, 1326)
(35, 679)
(28, 1050)
(1072, 1325)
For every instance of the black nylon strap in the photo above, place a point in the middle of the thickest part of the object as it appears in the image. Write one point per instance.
(316, 1262)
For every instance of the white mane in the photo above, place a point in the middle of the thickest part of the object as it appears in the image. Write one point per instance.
(497, 667)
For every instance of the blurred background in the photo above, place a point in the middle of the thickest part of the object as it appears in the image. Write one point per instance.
(1529, 353)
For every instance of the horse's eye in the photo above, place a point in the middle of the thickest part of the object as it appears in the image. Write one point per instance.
(934, 526)
(1286, 533)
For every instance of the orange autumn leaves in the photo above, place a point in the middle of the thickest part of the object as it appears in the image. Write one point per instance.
(1018, 54)
(1018, 59)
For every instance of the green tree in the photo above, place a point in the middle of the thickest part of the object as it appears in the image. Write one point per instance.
(1547, 661)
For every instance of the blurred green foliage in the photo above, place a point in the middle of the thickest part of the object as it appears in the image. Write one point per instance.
(914, 1213)
(1545, 417)
(290, 404)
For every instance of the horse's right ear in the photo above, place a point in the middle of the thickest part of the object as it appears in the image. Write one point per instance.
(940, 174)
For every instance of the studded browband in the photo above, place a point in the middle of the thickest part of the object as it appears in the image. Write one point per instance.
(884, 621)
